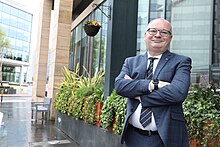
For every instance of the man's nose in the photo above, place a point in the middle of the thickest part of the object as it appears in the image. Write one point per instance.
(158, 33)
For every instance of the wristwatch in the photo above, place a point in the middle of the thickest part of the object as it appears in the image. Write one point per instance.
(155, 82)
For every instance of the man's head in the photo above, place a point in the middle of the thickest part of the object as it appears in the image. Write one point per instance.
(158, 36)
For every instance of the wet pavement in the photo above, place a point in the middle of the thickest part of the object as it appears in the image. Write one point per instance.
(19, 130)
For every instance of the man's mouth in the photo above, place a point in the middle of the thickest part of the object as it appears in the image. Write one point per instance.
(157, 41)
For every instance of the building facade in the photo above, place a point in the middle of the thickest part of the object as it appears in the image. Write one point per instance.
(195, 29)
(17, 25)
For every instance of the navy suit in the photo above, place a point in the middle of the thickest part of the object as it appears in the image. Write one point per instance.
(166, 102)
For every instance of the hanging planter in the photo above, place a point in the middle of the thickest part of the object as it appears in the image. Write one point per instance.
(92, 28)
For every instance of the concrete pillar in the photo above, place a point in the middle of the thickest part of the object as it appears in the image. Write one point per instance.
(21, 78)
(39, 80)
(59, 45)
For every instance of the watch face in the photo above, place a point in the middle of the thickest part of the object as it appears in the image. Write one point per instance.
(155, 81)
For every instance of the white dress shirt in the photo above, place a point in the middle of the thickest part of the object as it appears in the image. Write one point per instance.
(135, 117)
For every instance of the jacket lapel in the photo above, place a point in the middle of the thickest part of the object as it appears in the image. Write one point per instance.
(143, 66)
(164, 59)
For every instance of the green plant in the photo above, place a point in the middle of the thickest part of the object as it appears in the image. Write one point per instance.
(85, 97)
(107, 112)
(89, 109)
(78, 95)
(66, 89)
(81, 95)
(119, 106)
(201, 109)
(113, 112)
(90, 105)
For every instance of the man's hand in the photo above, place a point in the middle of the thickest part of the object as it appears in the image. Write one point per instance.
(162, 84)
(127, 77)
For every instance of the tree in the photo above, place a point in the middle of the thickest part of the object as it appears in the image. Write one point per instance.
(4, 43)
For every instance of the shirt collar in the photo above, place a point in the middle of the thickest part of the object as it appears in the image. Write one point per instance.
(158, 56)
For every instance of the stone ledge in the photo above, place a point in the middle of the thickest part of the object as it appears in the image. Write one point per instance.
(86, 135)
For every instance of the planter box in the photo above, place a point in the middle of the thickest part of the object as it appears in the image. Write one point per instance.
(84, 134)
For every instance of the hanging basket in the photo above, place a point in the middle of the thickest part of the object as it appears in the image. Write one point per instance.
(91, 30)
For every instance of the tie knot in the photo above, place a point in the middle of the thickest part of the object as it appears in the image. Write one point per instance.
(152, 59)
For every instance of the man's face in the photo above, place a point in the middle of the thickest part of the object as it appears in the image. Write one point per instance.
(158, 36)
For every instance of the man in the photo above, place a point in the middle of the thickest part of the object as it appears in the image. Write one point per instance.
(156, 84)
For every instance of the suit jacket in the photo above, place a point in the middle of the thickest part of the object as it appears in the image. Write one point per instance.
(166, 102)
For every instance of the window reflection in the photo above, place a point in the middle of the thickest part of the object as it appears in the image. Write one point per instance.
(143, 11)
(157, 9)
(192, 31)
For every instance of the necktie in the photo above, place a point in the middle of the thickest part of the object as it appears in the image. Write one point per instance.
(146, 113)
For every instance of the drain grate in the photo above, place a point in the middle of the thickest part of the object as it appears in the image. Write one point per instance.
(32, 144)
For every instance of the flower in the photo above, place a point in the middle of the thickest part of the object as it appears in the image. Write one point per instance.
(94, 23)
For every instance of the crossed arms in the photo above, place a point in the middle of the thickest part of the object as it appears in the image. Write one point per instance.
(169, 92)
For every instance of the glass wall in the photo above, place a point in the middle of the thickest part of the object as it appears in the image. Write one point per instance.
(87, 51)
(192, 30)
(143, 19)
(192, 25)
(16, 24)
(9, 74)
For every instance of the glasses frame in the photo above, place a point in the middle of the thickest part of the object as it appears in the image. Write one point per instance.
(160, 32)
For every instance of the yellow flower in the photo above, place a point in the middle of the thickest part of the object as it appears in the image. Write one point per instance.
(95, 23)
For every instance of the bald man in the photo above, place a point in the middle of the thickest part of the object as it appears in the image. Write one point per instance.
(155, 84)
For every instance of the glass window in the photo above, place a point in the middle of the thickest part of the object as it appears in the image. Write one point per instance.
(192, 31)
(14, 11)
(168, 10)
(191, 28)
(25, 56)
(25, 46)
(103, 42)
(28, 17)
(71, 53)
(21, 14)
(19, 45)
(26, 36)
(84, 53)
(12, 32)
(20, 24)
(13, 21)
(27, 26)
(96, 46)
(143, 18)
(5, 18)
(77, 44)
(5, 29)
(6, 8)
(12, 42)
(1, 6)
(90, 51)
(157, 9)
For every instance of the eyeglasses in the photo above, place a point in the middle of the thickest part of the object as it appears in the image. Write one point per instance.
(163, 32)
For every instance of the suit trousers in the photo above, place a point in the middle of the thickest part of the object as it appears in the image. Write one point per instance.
(133, 138)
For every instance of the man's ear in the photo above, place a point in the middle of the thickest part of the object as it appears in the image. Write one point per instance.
(171, 36)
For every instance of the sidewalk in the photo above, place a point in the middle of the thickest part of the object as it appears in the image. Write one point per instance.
(19, 130)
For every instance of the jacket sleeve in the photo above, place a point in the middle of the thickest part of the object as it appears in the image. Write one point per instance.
(174, 93)
(130, 88)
